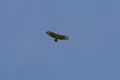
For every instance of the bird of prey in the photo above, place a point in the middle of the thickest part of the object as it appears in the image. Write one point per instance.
(57, 36)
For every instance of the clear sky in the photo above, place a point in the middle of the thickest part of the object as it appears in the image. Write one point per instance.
(91, 53)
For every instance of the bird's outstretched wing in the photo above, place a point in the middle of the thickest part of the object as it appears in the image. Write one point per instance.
(52, 34)
(62, 37)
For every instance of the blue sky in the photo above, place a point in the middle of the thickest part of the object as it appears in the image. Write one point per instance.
(91, 53)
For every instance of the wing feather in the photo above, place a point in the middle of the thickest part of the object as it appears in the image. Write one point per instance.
(52, 34)
(63, 37)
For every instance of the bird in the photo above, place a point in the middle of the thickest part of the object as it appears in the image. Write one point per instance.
(56, 36)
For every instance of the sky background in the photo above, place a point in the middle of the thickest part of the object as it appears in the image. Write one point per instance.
(91, 53)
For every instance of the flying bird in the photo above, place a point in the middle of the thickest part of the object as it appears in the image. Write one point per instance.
(57, 36)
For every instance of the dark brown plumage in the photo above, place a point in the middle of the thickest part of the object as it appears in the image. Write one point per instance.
(57, 36)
